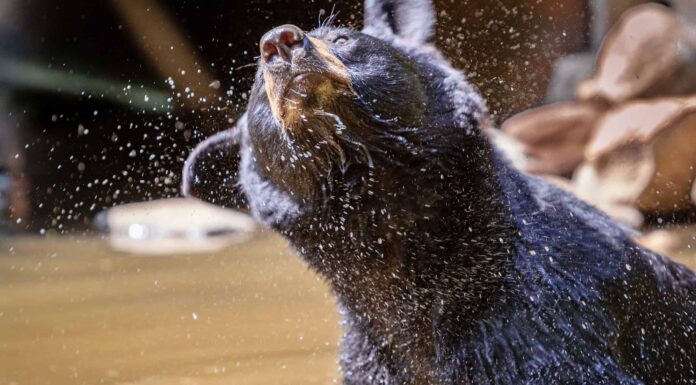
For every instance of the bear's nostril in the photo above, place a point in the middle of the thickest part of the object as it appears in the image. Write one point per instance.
(290, 38)
(280, 41)
(268, 50)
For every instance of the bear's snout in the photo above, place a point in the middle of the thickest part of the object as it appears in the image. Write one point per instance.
(280, 42)
(299, 71)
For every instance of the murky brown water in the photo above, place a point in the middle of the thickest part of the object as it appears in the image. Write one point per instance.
(72, 311)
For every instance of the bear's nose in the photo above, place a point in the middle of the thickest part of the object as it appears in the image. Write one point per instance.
(280, 41)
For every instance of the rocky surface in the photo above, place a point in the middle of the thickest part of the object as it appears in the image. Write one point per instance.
(638, 62)
(554, 137)
(627, 144)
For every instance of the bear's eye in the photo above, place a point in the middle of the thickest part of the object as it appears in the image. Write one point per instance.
(340, 39)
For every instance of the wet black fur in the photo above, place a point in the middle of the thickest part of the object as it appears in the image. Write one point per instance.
(450, 267)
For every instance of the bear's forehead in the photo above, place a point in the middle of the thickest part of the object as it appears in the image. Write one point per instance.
(327, 32)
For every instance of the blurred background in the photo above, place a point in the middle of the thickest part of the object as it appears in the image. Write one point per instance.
(94, 94)
(100, 103)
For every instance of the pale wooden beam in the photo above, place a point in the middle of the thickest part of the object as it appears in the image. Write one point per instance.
(169, 51)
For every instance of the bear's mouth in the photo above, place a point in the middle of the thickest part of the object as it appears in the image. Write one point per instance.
(300, 86)
(307, 91)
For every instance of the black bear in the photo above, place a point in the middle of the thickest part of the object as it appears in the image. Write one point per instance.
(364, 149)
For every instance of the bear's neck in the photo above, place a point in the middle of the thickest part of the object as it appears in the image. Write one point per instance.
(427, 240)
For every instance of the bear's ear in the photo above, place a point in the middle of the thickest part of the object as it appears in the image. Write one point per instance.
(410, 20)
(211, 170)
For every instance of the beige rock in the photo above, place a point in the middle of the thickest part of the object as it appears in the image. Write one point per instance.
(649, 52)
(642, 155)
(588, 186)
(664, 242)
(560, 182)
(509, 146)
(553, 137)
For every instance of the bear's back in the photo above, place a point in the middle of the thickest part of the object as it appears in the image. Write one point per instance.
(603, 293)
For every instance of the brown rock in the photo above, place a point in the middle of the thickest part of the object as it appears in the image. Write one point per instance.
(605, 13)
(642, 155)
(553, 137)
(649, 52)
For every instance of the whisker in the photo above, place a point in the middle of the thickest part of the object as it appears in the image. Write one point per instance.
(332, 17)
(328, 21)
(296, 92)
(246, 66)
(295, 102)
(321, 23)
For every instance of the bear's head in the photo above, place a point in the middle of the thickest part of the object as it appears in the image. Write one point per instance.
(342, 121)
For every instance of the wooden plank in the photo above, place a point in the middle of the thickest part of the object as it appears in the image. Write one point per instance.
(74, 312)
